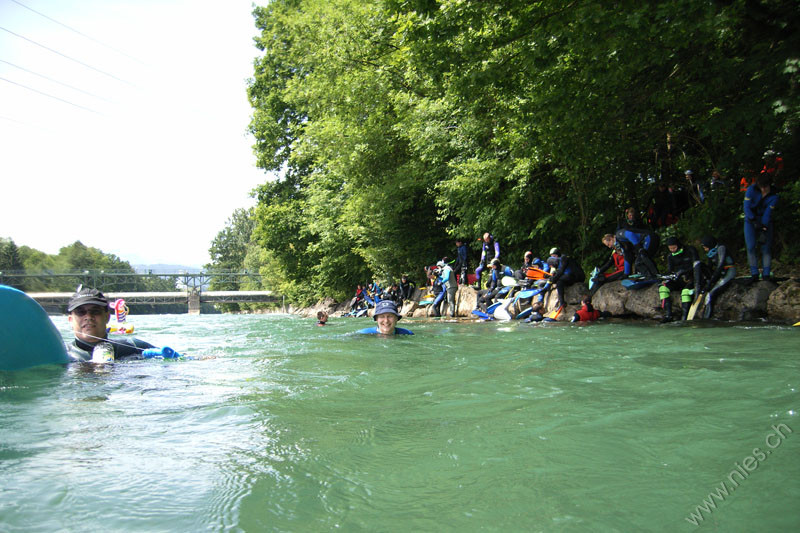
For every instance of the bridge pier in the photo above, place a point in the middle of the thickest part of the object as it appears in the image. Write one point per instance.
(194, 302)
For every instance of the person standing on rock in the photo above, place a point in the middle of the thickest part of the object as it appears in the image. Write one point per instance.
(448, 280)
(461, 265)
(760, 200)
(489, 244)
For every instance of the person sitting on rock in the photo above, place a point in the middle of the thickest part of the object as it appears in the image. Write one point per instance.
(565, 271)
(685, 274)
(407, 288)
(639, 246)
(493, 286)
(359, 300)
(616, 259)
(393, 294)
(722, 271)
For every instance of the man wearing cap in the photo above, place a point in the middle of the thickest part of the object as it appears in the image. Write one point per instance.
(88, 316)
(386, 316)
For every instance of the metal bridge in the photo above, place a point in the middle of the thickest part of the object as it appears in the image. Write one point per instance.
(189, 287)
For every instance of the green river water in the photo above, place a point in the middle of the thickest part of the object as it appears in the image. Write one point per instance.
(279, 425)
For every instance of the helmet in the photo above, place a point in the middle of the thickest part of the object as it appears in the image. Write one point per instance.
(555, 251)
(708, 241)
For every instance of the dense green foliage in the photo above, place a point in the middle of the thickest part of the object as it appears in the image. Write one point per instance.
(397, 125)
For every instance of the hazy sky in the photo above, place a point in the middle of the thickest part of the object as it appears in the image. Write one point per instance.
(128, 134)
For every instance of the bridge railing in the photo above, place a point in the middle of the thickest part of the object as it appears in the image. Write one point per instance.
(129, 281)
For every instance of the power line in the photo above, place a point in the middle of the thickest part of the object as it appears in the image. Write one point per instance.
(79, 32)
(56, 81)
(49, 95)
(66, 56)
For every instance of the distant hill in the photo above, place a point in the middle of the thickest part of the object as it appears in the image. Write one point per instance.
(166, 269)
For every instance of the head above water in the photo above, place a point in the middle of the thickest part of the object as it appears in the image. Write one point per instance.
(88, 315)
(386, 316)
(386, 306)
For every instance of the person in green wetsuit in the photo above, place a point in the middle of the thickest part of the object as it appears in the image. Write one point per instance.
(685, 275)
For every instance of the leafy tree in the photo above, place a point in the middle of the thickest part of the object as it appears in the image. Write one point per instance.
(10, 260)
(397, 125)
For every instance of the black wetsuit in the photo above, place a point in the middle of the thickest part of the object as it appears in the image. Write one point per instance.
(124, 348)
(460, 268)
(566, 271)
(686, 266)
(722, 273)
(393, 295)
(407, 290)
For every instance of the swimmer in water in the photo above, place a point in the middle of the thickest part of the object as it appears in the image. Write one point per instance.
(386, 316)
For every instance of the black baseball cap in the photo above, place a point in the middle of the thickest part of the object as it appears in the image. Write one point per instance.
(86, 296)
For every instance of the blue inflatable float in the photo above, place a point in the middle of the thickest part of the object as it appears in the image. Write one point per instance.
(27, 335)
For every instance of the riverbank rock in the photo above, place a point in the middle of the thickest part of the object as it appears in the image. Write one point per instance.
(784, 302)
(740, 301)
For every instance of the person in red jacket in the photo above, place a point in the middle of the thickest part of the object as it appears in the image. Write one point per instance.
(616, 260)
(587, 313)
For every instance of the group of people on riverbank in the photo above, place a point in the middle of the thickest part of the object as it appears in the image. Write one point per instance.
(634, 250)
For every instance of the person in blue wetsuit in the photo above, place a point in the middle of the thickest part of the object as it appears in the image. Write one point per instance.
(489, 245)
(88, 316)
(722, 271)
(494, 284)
(760, 200)
(386, 316)
(639, 246)
(447, 278)
(461, 266)
(565, 271)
